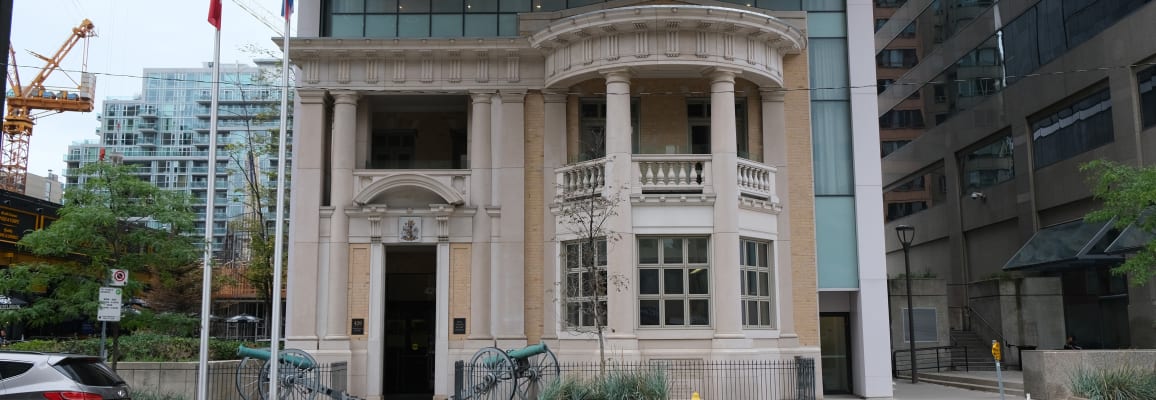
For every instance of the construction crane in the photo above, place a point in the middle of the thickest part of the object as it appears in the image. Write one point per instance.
(26, 103)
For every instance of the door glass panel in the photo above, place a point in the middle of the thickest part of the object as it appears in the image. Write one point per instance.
(834, 350)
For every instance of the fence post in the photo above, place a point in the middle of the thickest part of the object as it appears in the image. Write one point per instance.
(459, 367)
(805, 378)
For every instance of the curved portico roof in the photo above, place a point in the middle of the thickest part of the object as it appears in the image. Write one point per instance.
(656, 38)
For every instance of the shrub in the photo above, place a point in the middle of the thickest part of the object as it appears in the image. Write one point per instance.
(615, 385)
(140, 347)
(151, 395)
(1124, 383)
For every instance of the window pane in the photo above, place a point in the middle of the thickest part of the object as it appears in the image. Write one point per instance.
(647, 251)
(413, 25)
(765, 313)
(452, 6)
(347, 6)
(481, 25)
(674, 312)
(380, 25)
(699, 281)
(380, 6)
(648, 281)
(749, 255)
(446, 25)
(414, 6)
(752, 287)
(588, 283)
(573, 257)
(601, 252)
(346, 26)
(672, 281)
(648, 312)
(507, 24)
(752, 311)
(481, 5)
(764, 284)
(697, 250)
(763, 254)
(573, 313)
(700, 312)
(672, 251)
(515, 5)
(573, 284)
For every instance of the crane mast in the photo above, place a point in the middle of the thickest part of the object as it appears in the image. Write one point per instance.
(24, 100)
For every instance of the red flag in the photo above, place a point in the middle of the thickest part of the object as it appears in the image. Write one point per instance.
(215, 13)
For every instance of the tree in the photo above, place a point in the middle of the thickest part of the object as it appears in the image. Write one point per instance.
(1128, 194)
(112, 220)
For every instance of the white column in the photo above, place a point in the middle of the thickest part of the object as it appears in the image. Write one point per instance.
(309, 139)
(775, 154)
(376, 320)
(508, 271)
(341, 197)
(442, 340)
(554, 156)
(621, 305)
(479, 324)
(727, 316)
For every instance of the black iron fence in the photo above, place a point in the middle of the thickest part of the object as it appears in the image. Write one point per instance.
(929, 359)
(792, 379)
(232, 381)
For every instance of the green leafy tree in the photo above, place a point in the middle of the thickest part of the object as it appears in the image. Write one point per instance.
(113, 220)
(1128, 194)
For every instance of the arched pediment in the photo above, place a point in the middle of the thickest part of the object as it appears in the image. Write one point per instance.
(405, 184)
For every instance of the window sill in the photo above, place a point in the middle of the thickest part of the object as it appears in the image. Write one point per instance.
(700, 333)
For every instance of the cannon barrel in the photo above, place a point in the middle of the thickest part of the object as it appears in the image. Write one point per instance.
(263, 354)
(527, 352)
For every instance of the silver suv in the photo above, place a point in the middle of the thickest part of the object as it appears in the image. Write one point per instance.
(31, 375)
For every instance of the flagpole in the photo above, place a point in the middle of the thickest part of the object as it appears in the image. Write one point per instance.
(279, 239)
(206, 267)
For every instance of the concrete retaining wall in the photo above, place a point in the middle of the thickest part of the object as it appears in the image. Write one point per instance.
(180, 378)
(1047, 373)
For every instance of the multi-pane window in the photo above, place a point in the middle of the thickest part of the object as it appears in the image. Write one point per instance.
(1075, 127)
(673, 281)
(698, 119)
(585, 282)
(899, 119)
(757, 292)
(896, 58)
(592, 127)
(1146, 79)
(889, 146)
(989, 165)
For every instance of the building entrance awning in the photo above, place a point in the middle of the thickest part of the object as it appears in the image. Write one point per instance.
(1071, 244)
(1133, 237)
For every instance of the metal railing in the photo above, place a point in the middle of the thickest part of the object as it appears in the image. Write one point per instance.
(937, 359)
(723, 379)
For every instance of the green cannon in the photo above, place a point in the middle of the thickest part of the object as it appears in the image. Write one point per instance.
(298, 376)
(496, 374)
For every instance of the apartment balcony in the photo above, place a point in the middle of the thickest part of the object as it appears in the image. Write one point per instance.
(666, 174)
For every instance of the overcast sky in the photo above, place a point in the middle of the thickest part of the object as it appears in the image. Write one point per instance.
(131, 35)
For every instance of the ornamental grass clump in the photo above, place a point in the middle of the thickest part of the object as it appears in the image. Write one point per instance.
(649, 384)
(1124, 383)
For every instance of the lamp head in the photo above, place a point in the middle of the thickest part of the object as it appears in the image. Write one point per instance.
(906, 234)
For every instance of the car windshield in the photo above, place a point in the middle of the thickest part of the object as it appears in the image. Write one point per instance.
(88, 371)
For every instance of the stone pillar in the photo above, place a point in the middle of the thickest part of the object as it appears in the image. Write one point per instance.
(621, 305)
(341, 196)
(442, 370)
(554, 157)
(479, 198)
(309, 138)
(727, 318)
(508, 271)
(775, 154)
(376, 321)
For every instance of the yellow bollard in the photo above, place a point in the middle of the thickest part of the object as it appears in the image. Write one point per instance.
(695, 396)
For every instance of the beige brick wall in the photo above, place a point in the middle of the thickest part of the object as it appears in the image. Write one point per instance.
(358, 286)
(802, 200)
(459, 286)
(535, 127)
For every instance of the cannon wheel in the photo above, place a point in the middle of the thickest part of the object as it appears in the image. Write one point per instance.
(535, 374)
(492, 375)
(294, 383)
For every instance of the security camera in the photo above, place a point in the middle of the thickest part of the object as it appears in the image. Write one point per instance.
(978, 196)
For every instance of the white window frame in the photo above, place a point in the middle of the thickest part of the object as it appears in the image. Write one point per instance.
(685, 297)
(580, 273)
(762, 269)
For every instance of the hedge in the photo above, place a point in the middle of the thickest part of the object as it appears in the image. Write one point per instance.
(140, 347)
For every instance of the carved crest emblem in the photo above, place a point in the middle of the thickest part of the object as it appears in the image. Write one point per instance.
(409, 229)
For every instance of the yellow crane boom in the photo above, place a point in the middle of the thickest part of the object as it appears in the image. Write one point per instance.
(23, 100)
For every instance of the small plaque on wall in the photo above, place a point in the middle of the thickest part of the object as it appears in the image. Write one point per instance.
(358, 327)
(459, 326)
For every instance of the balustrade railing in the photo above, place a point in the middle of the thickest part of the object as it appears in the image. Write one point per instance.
(581, 179)
(756, 179)
(666, 173)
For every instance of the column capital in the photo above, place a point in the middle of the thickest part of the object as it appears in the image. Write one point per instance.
(481, 96)
(512, 95)
(554, 97)
(617, 75)
(772, 95)
(722, 74)
(311, 96)
(345, 96)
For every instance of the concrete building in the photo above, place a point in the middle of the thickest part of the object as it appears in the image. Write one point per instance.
(447, 138)
(993, 108)
(164, 133)
(48, 188)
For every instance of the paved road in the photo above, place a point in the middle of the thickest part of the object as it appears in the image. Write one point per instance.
(927, 391)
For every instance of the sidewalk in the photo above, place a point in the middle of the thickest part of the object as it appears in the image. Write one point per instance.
(904, 390)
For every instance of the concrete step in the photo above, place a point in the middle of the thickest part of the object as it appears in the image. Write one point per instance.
(970, 383)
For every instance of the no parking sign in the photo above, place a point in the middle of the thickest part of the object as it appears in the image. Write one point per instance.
(118, 277)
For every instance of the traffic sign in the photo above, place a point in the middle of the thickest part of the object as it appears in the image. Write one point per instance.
(118, 277)
(110, 303)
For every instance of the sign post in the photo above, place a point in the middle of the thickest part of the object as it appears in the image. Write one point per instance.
(110, 301)
(996, 354)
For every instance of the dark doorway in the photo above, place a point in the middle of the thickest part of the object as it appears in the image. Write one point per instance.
(835, 350)
(410, 310)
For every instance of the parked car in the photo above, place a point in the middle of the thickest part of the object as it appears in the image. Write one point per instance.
(53, 376)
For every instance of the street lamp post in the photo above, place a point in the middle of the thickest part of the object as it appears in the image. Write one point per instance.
(906, 234)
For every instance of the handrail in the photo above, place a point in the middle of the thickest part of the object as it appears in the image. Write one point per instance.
(940, 353)
(999, 335)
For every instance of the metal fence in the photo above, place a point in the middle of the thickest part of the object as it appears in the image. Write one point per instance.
(929, 359)
(227, 381)
(712, 380)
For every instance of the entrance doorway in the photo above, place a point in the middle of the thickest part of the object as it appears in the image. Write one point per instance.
(835, 350)
(410, 322)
